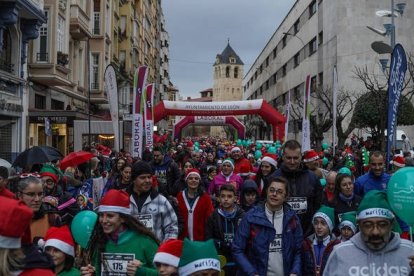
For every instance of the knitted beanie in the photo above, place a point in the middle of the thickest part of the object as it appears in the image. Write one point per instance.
(375, 205)
(328, 214)
(49, 170)
(139, 168)
(169, 252)
(61, 238)
(198, 256)
(348, 219)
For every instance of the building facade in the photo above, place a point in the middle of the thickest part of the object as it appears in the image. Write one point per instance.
(19, 24)
(313, 38)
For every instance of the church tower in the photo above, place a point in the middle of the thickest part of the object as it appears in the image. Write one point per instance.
(227, 82)
(227, 76)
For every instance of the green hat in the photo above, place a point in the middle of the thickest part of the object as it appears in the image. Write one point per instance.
(198, 256)
(328, 214)
(345, 170)
(49, 170)
(375, 205)
(348, 219)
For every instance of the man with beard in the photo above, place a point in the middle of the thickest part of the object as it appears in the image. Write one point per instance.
(166, 171)
(305, 190)
(376, 249)
(240, 160)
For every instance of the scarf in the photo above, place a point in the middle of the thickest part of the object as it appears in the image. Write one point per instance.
(346, 199)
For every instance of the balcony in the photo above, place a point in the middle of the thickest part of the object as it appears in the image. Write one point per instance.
(79, 23)
(42, 57)
(50, 72)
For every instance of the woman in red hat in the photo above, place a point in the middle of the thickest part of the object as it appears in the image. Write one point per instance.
(120, 244)
(195, 206)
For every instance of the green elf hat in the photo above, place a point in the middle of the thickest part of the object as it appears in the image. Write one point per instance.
(348, 219)
(198, 256)
(375, 205)
(49, 170)
(328, 214)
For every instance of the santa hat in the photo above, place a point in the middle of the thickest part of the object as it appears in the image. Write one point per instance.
(270, 160)
(190, 144)
(61, 238)
(192, 171)
(228, 161)
(198, 256)
(115, 201)
(49, 170)
(15, 221)
(328, 214)
(398, 161)
(310, 155)
(244, 170)
(348, 219)
(375, 205)
(235, 149)
(169, 252)
(103, 150)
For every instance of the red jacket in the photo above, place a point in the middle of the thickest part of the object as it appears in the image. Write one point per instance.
(195, 219)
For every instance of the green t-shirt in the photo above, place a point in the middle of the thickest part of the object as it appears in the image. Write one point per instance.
(130, 242)
(72, 272)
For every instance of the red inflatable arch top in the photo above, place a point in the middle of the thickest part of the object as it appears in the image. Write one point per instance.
(259, 107)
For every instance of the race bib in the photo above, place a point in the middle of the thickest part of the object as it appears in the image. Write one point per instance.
(115, 263)
(276, 244)
(228, 237)
(147, 220)
(298, 204)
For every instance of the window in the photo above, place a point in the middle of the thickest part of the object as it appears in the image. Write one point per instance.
(320, 38)
(6, 52)
(42, 54)
(312, 8)
(313, 84)
(96, 22)
(284, 70)
(320, 76)
(274, 78)
(296, 60)
(40, 101)
(296, 27)
(312, 46)
(122, 23)
(284, 41)
(274, 52)
(61, 34)
(57, 105)
(232, 60)
(236, 72)
(228, 72)
(95, 72)
(267, 61)
(267, 84)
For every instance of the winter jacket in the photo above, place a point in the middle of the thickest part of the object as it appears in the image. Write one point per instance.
(195, 218)
(130, 242)
(355, 258)
(219, 180)
(341, 206)
(167, 174)
(222, 231)
(254, 235)
(71, 272)
(369, 181)
(158, 215)
(309, 259)
(37, 263)
(304, 188)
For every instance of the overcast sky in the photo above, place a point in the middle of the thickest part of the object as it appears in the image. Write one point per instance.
(199, 30)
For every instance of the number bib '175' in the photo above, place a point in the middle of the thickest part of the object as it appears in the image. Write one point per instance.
(298, 204)
(115, 264)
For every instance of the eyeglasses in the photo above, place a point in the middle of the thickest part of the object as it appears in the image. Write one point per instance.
(49, 181)
(33, 194)
(275, 191)
(369, 225)
(26, 175)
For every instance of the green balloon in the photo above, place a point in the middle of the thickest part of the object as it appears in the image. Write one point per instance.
(239, 142)
(259, 146)
(271, 150)
(323, 182)
(257, 154)
(325, 145)
(82, 226)
(400, 192)
(325, 161)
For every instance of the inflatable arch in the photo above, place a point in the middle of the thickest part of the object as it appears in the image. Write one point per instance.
(259, 107)
(211, 121)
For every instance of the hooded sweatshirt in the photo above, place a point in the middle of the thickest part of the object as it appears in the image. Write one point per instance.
(355, 258)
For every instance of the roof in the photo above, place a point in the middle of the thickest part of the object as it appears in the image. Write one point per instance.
(225, 56)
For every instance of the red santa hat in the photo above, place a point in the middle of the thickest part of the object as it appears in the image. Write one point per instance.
(15, 220)
(61, 238)
(115, 201)
(190, 144)
(235, 149)
(192, 171)
(398, 161)
(270, 160)
(244, 170)
(169, 252)
(310, 155)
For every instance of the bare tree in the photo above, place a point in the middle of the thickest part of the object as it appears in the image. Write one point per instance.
(321, 118)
